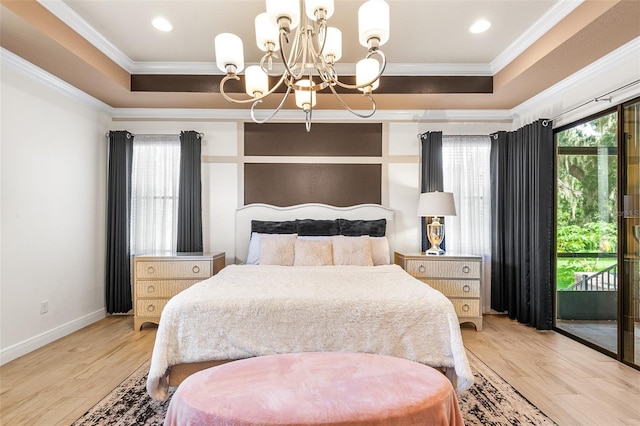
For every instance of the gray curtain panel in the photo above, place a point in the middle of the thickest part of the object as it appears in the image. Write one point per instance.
(190, 194)
(522, 174)
(432, 176)
(118, 266)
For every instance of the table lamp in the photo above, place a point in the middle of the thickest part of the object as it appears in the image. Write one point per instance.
(436, 204)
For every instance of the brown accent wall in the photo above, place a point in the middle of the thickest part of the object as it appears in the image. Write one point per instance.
(324, 139)
(342, 183)
(335, 184)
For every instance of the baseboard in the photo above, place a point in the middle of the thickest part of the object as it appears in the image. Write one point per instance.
(33, 343)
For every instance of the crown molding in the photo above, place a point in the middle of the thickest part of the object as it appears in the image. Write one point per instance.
(291, 115)
(627, 55)
(551, 17)
(69, 16)
(41, 76)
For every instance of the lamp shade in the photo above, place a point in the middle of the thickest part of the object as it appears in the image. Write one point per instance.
(266, 32)
(366, 71)
(436, 204)
(229, 51)
(256, 81)
(333, 45)
(305, 99)
(373, 22)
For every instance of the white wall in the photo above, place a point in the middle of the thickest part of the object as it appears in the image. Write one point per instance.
(53, 165)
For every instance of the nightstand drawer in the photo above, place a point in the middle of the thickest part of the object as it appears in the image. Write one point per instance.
(175, 269)
(466, 307)
(443, 269)
(150, 307)
(456, 288)
(164, 289)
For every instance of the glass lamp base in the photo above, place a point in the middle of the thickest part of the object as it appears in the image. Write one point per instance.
(434, 251)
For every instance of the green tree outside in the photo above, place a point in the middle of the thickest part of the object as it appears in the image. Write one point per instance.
(587, 192)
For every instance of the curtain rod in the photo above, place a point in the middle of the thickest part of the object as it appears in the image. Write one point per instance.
(596, 99)
(200, 135)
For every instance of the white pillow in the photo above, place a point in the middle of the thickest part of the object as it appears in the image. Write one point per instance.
(352, 251)
(253, 254)
(277, 249)
(380, 250)
(312, 252)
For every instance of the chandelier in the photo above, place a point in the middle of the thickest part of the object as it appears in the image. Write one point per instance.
(307, 57)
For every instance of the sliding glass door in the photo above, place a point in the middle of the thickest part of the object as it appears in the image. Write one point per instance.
(598, 232)
(586, 231)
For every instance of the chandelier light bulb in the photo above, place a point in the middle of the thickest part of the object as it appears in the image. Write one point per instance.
(366, 71)
(333, 45)
(256, 81)
(267, 33)
(289, 9)
(312, 6)
(373, 22)
(305, 99)
(229, 52)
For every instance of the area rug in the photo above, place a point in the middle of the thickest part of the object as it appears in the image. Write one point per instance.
(490, 401)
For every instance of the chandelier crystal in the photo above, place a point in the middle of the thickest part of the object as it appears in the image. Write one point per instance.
(308, 55)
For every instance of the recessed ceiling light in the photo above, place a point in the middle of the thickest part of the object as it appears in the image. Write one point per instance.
(162, 24)
(480, 26)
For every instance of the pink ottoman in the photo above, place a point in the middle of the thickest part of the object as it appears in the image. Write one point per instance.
(328, 388)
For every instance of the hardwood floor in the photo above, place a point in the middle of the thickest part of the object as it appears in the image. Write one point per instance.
(59, 382)
(571, 383)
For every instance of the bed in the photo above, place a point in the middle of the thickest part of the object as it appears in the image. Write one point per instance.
(352, 304)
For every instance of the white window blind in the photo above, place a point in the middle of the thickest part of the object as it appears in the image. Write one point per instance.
(154, 193)
(466, 173)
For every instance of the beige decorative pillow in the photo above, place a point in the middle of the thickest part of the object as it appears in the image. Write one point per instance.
(352, 251)
(380, 250)
(277, 249)
(313, 253)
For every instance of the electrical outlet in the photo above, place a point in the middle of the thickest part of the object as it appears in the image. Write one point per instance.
(44, 306)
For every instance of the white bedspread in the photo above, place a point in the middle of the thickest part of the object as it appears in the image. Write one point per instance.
(252, 310)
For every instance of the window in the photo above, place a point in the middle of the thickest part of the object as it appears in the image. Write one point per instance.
(466, 173)
(154, 193)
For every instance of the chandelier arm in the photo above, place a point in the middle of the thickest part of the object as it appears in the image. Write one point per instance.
(229, 98)
(361, 86)
(307, 120)
(278, 108)
(322, 29)
(294, 48)
(245, 101)
(345, 106)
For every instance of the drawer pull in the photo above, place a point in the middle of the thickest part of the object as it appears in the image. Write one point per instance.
(466, 288)
(466, 269)
(151, 308)
(150, 270)
(196, 269)
(151, 289)
(422, 269)
(465, 308)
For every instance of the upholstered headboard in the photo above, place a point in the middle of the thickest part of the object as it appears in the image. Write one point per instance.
(266, 212)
